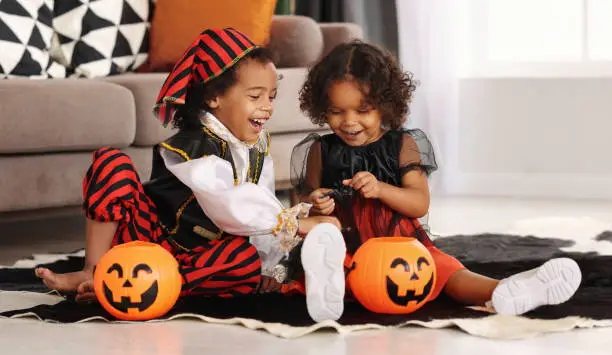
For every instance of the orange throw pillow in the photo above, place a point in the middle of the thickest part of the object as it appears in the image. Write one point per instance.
(176, 23)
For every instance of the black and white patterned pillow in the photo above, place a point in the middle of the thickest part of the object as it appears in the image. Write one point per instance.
(101, 37)
(25, 40)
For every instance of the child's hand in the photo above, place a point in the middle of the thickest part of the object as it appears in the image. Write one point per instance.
(308, 223)
(322, 204)
(269, 284)
(365, 183)
(85, 292)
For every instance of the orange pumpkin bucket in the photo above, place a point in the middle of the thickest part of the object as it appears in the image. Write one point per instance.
(393, 275)
(137, 281)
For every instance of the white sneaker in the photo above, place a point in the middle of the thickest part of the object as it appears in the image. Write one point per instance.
(323, 255)
(554, 282)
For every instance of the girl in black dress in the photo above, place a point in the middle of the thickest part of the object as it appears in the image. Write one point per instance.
(372, 174)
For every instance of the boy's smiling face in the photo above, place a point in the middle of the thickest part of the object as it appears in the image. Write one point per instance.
(248, 104)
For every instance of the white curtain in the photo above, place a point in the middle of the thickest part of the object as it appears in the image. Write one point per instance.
(430, 40)
(508, 115)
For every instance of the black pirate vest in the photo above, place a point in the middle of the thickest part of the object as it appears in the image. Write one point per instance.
(181, 217)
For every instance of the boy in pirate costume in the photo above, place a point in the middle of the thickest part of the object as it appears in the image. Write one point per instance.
(210, 200)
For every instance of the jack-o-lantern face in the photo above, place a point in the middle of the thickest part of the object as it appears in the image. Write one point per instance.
(139, 293)
(392, 275)
(137, 281)
(404, 283)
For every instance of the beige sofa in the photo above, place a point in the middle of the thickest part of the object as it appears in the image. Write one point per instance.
(48, 128)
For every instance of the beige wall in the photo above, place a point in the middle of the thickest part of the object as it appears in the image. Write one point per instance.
(535, 137)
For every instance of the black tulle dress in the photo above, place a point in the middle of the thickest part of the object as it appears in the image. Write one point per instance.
(325, 161)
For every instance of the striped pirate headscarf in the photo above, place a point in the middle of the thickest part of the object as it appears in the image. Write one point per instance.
(213, 52)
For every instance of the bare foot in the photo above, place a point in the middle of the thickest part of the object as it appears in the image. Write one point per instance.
(68, 282)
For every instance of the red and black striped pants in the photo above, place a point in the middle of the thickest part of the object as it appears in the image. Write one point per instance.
(112, 191)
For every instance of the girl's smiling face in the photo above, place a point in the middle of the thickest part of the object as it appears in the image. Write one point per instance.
(353, 119)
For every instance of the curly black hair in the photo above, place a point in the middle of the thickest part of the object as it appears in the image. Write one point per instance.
(188, 115)
(380, 78)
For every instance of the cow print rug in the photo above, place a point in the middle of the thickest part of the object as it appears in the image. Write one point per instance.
(493, 255)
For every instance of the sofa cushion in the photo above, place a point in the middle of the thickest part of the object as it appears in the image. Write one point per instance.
(25, 39)
(176, 24)
(145, 88)
(295, 41)
(281, 147)
(287, 115)
(64, 115)
(103, 37)
(337, 33)
(35, 181)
